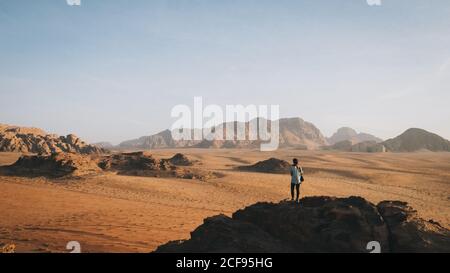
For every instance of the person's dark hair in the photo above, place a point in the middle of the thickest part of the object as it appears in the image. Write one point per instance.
(295, 161)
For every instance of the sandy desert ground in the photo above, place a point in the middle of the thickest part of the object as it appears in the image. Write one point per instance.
(112, 213)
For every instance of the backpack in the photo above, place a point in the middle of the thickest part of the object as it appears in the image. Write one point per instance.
(302, 179)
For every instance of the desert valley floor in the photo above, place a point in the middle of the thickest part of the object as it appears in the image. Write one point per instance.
(113, 213)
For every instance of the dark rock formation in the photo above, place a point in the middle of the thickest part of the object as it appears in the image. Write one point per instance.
(272, 165)
(317, 224)
(143, 164)
(180, 160)
(138, 161)
(409, 233)
(53, 166)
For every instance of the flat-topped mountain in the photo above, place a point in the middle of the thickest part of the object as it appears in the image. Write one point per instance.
(415, 139)
(34, 140)
(349, 134)
(294, 132)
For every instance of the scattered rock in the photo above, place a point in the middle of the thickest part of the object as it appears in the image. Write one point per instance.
(272, 165)
(317, 224)
(142, 164)
(52, 166)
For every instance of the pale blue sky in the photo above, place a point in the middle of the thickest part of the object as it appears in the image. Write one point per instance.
(112, 70)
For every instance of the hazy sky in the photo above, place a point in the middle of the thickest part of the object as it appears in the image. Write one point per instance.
(112, 70)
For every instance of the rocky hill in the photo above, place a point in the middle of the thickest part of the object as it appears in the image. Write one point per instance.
(317, 224)
(294, 132)
(349, 134)
(416, 140)
(272, 165)
(33, 140)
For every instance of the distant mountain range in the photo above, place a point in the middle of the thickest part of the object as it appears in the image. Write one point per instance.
(412, 140)
(294, 132)
(297, 133)
(361, 147)
(349, 134)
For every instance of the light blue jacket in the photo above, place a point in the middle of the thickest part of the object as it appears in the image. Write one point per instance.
(296, 173)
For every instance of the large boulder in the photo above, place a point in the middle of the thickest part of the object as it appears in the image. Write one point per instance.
(317, 224)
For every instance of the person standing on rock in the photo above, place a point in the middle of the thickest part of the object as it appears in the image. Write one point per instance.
(296, 179)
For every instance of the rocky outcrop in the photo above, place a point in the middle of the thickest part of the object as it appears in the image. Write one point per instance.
(272, 165)
(415, 139)
(128, 162)
(33, 140)
(317, 224)
(59, 165)
(143, 164)
(409, 233)
(53, 166)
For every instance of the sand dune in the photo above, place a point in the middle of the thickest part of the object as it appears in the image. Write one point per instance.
(114, 213)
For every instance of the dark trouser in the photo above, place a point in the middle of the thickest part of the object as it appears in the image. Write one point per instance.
(297, 188)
